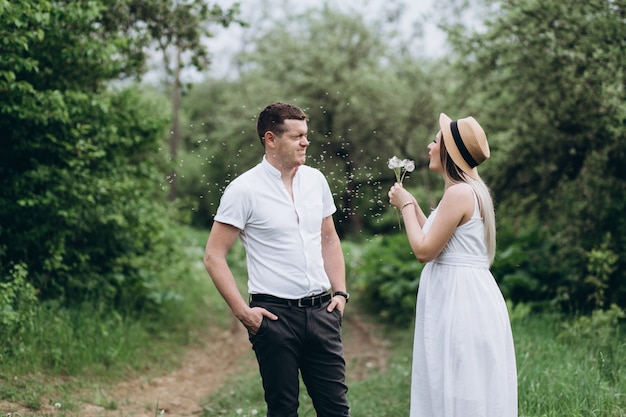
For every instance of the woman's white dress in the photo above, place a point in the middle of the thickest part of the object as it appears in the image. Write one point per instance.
(463, 354)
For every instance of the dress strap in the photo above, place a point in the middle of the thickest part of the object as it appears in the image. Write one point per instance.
(476, 213)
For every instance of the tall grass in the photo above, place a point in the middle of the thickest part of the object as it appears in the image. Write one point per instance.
(566, 370)
(66, 350)
(63, 344)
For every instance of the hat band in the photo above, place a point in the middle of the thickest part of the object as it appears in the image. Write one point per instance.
(459, 144)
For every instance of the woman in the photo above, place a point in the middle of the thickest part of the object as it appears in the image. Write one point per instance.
(463, 355)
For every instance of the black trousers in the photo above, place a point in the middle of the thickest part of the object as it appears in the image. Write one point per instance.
(305, 340)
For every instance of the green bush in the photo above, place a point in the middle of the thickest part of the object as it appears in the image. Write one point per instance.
(387, 276)
(600, 327)
(524, 265)
(601, 265)
(81, 200)
(18, 302)
(84, 212)
(534, 267)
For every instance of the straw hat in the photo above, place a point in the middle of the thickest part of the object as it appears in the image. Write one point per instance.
(465, 142)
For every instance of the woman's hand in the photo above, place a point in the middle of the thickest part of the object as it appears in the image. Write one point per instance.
(398, 196)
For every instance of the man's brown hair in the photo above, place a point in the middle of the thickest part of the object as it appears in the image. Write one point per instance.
(273, 116)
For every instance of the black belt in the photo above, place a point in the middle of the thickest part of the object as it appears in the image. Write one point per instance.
(312, 301)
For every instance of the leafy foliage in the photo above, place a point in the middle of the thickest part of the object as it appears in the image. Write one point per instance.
(547, 79)
(18, 303)
(553, 110)
(525, 267)
(387, 276)
(600, 327)
(79, 171)
(366, 102)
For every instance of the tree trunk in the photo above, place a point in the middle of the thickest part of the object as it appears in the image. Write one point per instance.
(175, 134)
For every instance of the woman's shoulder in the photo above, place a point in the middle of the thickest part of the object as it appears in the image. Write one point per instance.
(460, 190)
(459, 197)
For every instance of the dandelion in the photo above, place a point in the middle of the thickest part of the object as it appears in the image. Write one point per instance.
(57, 405)
(400, 168)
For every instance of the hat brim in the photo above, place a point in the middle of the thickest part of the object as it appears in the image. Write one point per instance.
(451, 147)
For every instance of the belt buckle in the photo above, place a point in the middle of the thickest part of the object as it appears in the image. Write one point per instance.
(310, 301)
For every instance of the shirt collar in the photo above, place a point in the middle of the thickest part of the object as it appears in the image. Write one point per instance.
(270, 169)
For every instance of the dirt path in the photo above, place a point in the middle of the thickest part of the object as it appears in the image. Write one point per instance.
(206, 366)
(178, 393)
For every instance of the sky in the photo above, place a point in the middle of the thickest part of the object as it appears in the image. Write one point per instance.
(228, 41)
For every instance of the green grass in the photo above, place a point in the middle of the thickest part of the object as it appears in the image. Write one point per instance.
(63, 344)
(570, 374)
(566, 367)
(558, 376)
(65, 351)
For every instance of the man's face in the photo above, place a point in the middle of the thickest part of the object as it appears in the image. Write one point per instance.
(289, 149)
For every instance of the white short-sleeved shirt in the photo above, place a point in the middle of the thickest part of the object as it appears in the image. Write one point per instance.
(282, 237)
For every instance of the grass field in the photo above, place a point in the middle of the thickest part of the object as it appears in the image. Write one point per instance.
(567, 366)
(559, 374)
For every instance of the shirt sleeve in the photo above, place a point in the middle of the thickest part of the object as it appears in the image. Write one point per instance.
(234, 205)
(327, 198)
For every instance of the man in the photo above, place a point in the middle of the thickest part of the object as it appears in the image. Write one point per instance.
(282, 211)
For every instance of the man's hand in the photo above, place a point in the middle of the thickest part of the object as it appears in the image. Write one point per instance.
(338, 302)
(253, 317)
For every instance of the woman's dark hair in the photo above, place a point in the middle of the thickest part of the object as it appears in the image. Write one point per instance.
(451, 169)
(273, 116)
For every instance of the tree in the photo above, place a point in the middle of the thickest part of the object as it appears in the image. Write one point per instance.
(78, 177)
(549, 78)
(365, 104)
(178, 29)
